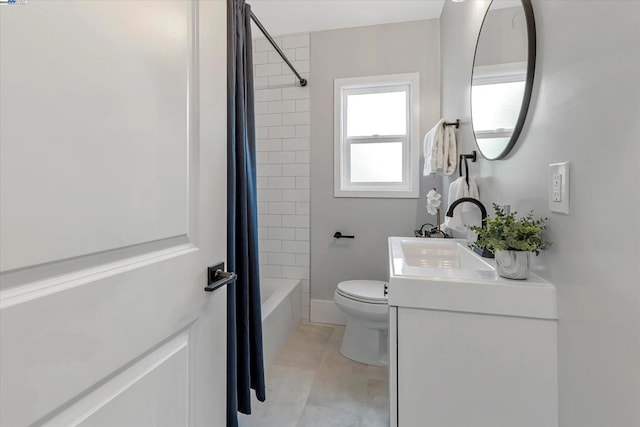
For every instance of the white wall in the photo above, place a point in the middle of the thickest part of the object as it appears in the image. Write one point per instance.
(585, 109)
(283, 128)
(364, 51)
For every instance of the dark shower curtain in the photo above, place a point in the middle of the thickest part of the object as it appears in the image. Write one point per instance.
(245, 369)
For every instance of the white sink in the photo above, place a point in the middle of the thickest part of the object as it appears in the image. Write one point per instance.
(444, 274)
(450, 255)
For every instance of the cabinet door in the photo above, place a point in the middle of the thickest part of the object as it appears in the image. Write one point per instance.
(464, 369)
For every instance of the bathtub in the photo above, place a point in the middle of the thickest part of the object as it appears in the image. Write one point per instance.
(281, 314)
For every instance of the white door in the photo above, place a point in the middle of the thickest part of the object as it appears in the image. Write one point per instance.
(113, 195)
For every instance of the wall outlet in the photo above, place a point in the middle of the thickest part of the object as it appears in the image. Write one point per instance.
(559, 187)
(556, 188)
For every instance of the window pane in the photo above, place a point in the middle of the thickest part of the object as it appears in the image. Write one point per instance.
(496, 106)
(382, 113)
(376, 162)
(493, 147)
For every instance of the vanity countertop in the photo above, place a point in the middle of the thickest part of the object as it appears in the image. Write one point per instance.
(444, 274)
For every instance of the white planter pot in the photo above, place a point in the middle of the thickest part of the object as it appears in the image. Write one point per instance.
(513, 264)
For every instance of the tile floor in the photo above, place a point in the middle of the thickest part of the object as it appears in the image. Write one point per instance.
(311, 384)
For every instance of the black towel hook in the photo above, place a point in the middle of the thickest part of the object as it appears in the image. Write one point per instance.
(339, 235)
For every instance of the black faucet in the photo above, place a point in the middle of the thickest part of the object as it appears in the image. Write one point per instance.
(483, 212)
(478, 203)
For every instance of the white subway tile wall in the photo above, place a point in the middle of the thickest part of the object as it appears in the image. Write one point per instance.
(283, 127)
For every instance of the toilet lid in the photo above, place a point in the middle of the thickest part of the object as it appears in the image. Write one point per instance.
(364, 290)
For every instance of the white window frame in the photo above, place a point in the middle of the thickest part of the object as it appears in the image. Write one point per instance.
(410, 185)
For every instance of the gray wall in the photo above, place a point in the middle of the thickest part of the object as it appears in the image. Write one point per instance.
(585, 109)
(364, 51)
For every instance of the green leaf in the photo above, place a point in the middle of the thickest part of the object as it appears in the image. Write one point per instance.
(507, 232)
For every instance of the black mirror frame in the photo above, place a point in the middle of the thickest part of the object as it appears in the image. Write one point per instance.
(531, 65)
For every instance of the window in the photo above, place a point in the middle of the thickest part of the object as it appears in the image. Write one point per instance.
(496, 98)
(376, 149)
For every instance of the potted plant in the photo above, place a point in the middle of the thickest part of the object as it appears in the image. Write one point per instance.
(512, 240)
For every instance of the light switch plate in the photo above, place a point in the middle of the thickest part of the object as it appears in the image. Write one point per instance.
(559, 187)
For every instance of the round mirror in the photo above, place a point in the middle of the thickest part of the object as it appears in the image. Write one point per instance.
(502, 76)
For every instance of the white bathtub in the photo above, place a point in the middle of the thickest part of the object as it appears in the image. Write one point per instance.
(281, 314)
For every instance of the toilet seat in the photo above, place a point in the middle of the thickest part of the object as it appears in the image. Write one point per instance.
(365, 291)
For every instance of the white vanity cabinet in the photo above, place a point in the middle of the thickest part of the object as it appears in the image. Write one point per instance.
(467, 348)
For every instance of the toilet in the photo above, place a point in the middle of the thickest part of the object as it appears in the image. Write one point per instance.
(366, 337)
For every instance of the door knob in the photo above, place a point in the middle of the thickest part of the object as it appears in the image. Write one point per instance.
(217, 277)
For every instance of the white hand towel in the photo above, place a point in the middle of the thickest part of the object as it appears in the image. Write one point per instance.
(450, 151)
(432, 140)
(440, 152)
(457, 190)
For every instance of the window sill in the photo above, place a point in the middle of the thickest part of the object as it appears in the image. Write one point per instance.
(377, 194)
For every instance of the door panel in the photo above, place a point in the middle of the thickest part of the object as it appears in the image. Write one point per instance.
(103, 99)
(139, 392)
(113, 204)
(57, 346)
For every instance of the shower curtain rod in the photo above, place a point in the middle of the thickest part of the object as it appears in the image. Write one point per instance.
(303, 82)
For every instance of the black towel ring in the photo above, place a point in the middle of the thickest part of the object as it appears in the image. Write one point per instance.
(473, 156)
